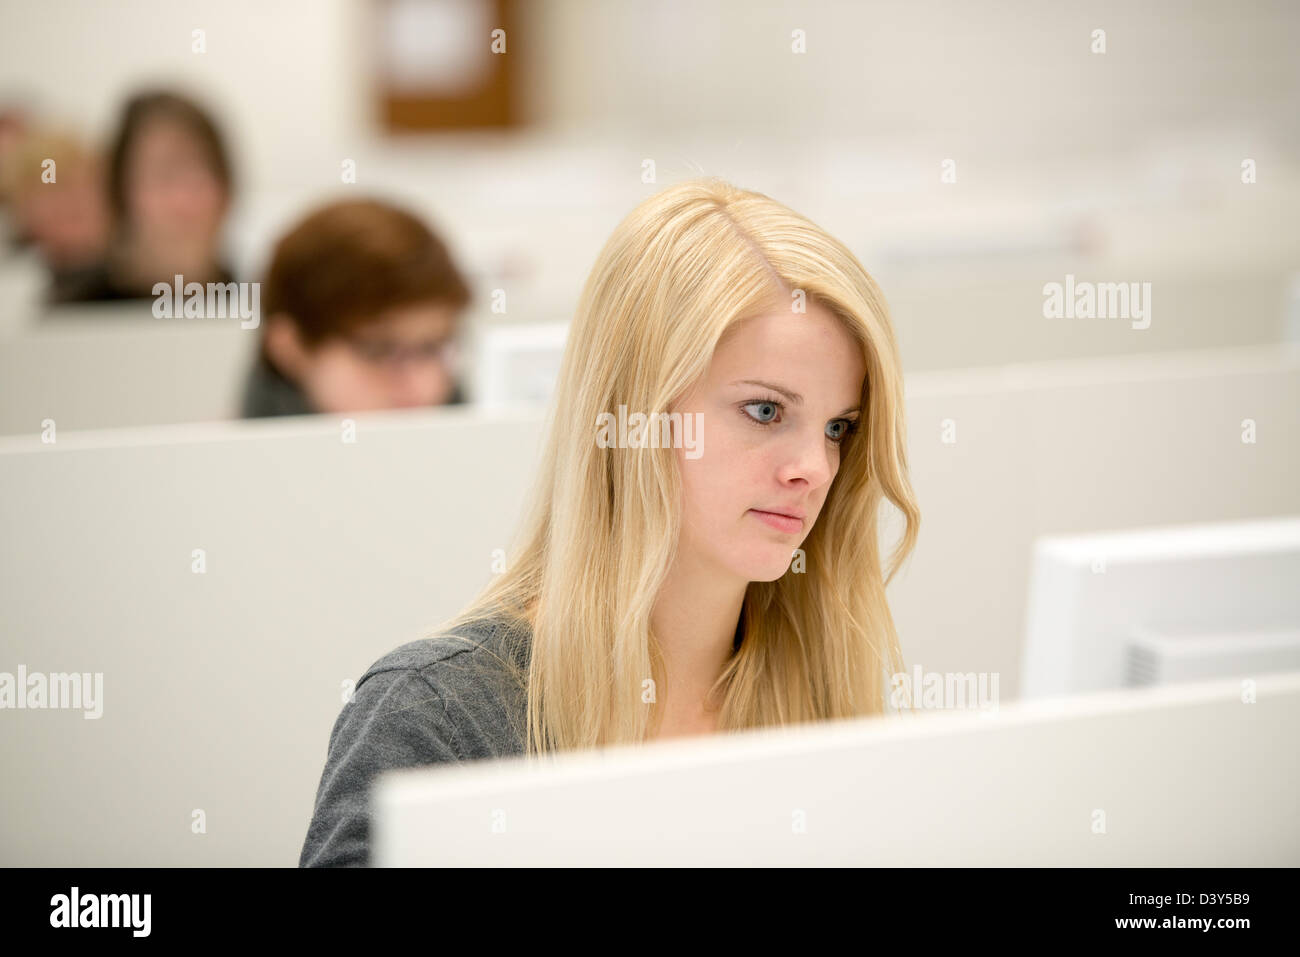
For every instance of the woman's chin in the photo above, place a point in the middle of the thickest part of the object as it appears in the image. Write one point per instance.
(770, 570)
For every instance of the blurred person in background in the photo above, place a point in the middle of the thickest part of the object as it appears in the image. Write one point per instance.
(362, 304)
(53, 189)
(169, 188)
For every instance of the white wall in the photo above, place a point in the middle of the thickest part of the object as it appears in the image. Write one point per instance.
(1122, 165)
(1011, 79)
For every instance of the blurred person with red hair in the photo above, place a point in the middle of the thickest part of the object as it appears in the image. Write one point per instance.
(363, 304)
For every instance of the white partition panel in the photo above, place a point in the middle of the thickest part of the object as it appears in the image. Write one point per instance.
(115, 366)
(220, 687)
(1079, 446)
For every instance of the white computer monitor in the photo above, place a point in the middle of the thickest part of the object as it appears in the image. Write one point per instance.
(517, 364)
(1158, 605)
(1118, 778)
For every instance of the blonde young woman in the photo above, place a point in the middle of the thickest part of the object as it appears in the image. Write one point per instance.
(728, 578)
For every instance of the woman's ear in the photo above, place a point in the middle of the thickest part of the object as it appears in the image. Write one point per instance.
(284, 346)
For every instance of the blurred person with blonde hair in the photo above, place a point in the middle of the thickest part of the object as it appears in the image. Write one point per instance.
(728, 579)
(53, 185)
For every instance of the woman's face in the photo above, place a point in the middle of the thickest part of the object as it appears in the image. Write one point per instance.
(175, 201)
(767, 448)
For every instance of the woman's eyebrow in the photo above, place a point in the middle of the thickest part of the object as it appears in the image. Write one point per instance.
(794, 397)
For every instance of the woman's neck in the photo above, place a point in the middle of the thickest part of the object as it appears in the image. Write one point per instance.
(694, 622)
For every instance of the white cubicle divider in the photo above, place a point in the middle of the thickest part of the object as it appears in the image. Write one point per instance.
(24, 286)
(227, 582)
(1000, 457)
(220, 688)
(1016, 787)
(116, 366)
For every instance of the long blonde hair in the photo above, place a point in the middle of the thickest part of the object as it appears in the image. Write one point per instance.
(602, 524)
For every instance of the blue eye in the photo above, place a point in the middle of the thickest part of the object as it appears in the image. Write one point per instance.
(848, 427)
(768, 407)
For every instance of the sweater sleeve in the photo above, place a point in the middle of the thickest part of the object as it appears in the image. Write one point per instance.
(395, 719)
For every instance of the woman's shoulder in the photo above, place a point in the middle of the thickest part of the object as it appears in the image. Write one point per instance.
(435, 700)
(469, 665)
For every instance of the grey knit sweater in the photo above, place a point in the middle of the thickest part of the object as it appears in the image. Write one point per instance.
(430, 701)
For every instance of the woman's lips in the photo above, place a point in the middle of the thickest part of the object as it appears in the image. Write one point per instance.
(782, 523)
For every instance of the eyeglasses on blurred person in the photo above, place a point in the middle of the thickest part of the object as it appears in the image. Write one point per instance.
(362, 303)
